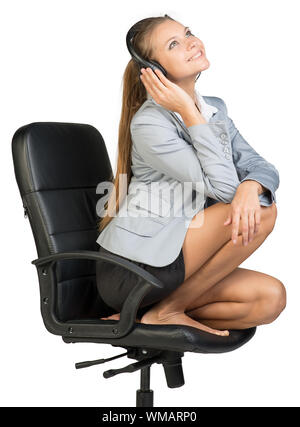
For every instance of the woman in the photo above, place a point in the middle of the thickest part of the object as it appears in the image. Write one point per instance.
(198, 263)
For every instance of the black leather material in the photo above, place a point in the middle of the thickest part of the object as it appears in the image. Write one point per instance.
(58, 167)
(174, 338)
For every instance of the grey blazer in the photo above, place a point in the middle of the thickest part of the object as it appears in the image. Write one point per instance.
(177, 172)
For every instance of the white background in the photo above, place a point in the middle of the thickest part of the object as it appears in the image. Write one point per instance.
(64, 61)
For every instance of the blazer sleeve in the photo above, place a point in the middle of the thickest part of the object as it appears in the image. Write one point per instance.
(252, 166)
(157, 141)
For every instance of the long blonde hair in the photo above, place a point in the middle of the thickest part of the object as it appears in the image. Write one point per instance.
(134, 95)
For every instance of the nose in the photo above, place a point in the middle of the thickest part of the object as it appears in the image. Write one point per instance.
(191, 44)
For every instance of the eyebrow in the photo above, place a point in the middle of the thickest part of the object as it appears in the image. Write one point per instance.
(174, 37)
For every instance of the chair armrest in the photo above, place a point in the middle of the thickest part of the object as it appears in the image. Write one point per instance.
(48, 281)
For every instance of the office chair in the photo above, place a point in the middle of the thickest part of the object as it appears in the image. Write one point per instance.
(58, 167)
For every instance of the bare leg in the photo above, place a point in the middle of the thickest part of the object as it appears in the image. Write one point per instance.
(244, 298)
(212, 235)
(225, 300)
(172, 308)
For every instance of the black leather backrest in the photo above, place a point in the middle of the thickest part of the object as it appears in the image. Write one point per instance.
(58, 167)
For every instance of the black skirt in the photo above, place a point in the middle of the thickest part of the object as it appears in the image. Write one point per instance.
(114, 282)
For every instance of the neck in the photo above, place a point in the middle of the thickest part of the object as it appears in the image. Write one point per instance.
(188, 87)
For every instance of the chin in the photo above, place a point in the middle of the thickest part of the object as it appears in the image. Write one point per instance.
(202, 67)
(205, 66)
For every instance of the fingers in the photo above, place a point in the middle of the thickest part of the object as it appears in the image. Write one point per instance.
(250, 219)
(150, 77)
(251, 226)
(162, 77)
(157, 75)
(152, 82)
(235, 226)
(245, 228)
(153, 90)
(257, 221)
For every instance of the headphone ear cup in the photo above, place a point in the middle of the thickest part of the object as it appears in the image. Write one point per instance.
(160, 67)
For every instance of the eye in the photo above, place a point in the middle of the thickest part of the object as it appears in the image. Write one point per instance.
(188, 31)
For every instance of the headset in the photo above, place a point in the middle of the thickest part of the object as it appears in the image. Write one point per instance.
(142, 63)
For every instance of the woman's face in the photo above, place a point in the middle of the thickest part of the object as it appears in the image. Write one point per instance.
(173, 46)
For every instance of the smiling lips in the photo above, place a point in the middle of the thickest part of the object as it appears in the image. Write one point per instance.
(198, 55)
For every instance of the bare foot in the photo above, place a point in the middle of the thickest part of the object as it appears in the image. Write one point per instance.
(115, 317)
(179, 318)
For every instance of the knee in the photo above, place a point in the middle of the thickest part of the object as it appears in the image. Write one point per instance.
(274, 300)
(268, 217)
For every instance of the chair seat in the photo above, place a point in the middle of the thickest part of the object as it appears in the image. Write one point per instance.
(171, 337)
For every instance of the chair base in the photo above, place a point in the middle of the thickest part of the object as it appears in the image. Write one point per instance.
(144, 398)
(170, 360)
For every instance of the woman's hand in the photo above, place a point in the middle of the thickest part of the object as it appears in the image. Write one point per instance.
(164, 92)
(245, 206)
